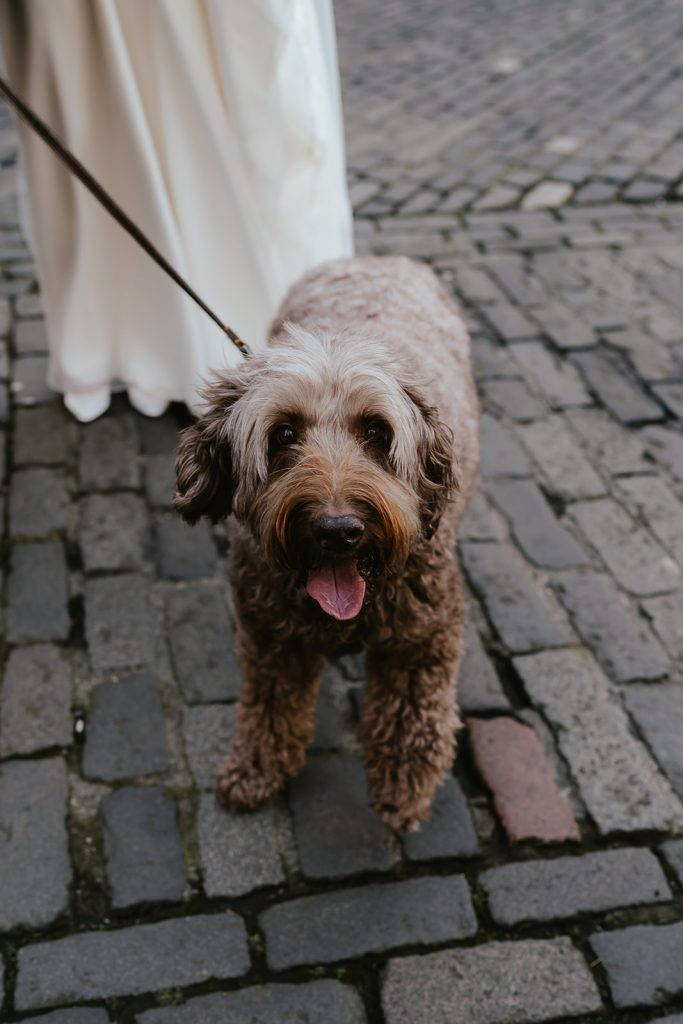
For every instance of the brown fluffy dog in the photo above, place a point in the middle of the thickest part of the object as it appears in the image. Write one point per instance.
(345, 453)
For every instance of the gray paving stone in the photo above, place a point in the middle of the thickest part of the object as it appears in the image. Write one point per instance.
(651, 359)
(534, 525)
(337, 832)
(651, 498)
(30, 336)
(481, 521)
(129, 961)
(636, 561)
(239, 852)
(613, 449)
(644, 964)
(565, 469)
(109, 454)
(545, 890)
(118, 621)
(351, 922)
(556, 378)
(448, 832)
(610, 626)
(42, 436)
(618, 780)
(658, 711)
(666, 615)
(496, 983)
(672, 395)
(142, 846)
(333, 713)
(112, 534)
(158, 434)
(37, 598)
(160, 480)
(501, 455)
(508, 321)
(29, 305)
(525, 615)
(607, 377)
(209, 732)
(479, 688)
(200, 635)
(39, 502)
(33, 843)
(35, 701)
(125, 733)
(673, 851)
(314, 1002)
(72, 1015)
(512, 398)
(184, 552)
(29, 384)
(666, 447)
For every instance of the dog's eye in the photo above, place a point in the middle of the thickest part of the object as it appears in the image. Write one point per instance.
(285, 434)
(377, 433)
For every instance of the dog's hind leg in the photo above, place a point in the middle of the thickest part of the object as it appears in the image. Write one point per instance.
(408, 729)
(275, 720)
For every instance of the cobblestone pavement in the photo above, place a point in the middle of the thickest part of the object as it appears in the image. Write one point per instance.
(548, 885)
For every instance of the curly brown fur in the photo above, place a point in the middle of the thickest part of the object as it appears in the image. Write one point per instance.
(361, 414)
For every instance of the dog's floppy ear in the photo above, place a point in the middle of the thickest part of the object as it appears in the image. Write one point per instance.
(204, 471)
(437, 480)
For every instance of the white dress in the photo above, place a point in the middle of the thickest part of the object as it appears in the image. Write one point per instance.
(217, 125)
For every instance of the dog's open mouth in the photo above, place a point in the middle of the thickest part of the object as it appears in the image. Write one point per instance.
(338, 587)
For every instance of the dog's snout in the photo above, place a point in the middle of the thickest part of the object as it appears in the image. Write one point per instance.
(338, 533)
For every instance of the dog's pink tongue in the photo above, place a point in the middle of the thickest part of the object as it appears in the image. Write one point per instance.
(338, 588)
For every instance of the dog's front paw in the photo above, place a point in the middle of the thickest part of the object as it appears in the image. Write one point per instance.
(405, 818)
(242, 786)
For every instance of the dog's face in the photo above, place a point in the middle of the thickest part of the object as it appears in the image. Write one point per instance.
(334, 462)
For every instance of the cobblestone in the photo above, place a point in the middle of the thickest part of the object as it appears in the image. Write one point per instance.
(37, 600)
(644, 964)
(33, 843)
(112, 532)
(666, 615)
(125, 733)
(609, 447)
(543, 890)
(610, 626)
(184, 552)
(160, 480)
(525, 616)
(479, 688)
(673, 851)
(315, 1002)
(534, 525)
(42, 436)
(109, 454)
(74, 1015)
(35, 701)
(448, 831)
(375, 918)
(118, 624)
(145, 958)
(565, 469)
(666, 447)
(651, 498)
(491, 984)
(240, 853)
(606, 375)
(39, 503)
(617, 778)
(501, 455)
(337, 833)
(658, 712)
(200, 635)
(516, 770)
(209, 731)
(142, 846)
(633, 557)
(556, 378)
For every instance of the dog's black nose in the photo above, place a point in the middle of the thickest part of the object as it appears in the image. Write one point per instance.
(338, 533)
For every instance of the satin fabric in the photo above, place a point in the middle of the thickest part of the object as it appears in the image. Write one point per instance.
(217, 125)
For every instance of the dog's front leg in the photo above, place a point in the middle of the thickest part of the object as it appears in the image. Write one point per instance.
(275, 720)
(408, 729)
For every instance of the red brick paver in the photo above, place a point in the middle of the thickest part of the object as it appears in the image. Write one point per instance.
(516, 770)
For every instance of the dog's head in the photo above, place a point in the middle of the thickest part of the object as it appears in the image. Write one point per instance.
(335, 462)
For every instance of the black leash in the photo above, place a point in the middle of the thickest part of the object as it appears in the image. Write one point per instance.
(119, 215)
